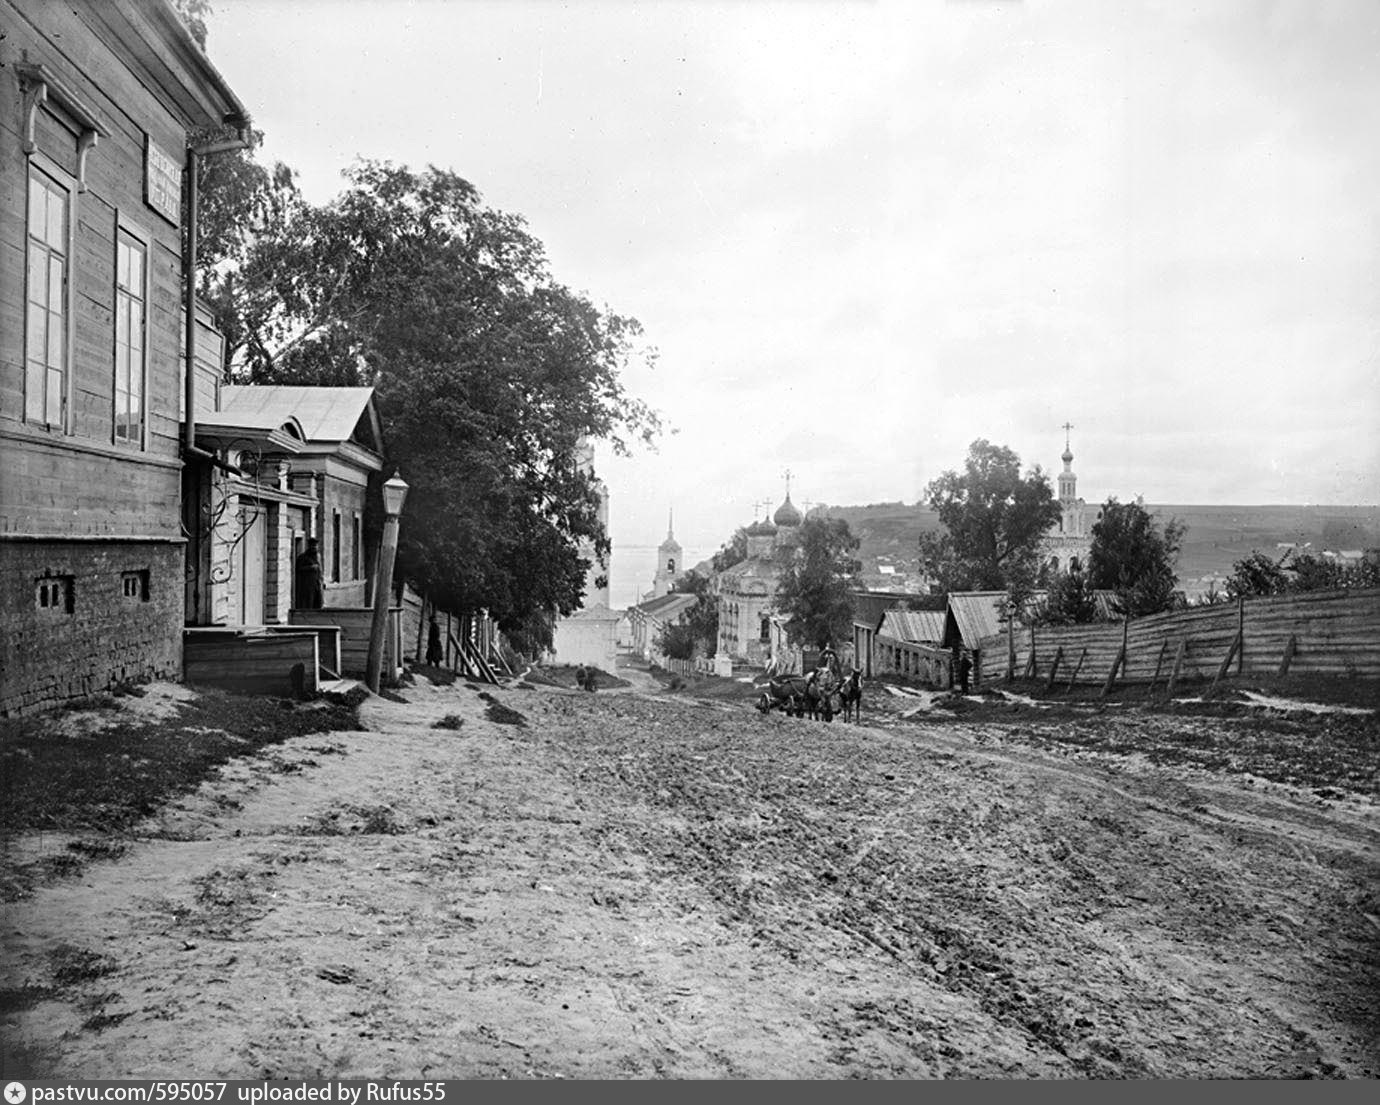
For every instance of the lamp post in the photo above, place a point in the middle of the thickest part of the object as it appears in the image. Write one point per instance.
(394, 492)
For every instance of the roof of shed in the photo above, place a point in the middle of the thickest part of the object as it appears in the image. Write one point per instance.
(977, 614)
(913, 625)
(326, 413)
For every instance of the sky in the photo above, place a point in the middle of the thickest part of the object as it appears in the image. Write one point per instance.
(861, 235)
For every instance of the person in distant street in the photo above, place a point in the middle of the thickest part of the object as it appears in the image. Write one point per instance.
(310, 595)
(434, 654)
(965, 666)
(590, 673)
(580, 676)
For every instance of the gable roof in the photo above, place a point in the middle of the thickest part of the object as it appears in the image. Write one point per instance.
(973, 615)
(326, 414)
(913, 625)
(869, 606)
(596, 613)
(668, 607)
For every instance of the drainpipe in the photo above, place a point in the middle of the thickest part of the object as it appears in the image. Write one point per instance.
(189, 308)
(189, 271)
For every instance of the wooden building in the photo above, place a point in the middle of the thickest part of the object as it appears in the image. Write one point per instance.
(102, 98)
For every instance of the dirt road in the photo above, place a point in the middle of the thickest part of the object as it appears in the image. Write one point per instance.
(639, 885)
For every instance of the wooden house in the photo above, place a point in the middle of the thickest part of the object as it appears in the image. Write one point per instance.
(293, 464)
(102, 98)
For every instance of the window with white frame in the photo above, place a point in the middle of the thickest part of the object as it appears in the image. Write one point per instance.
(131, 275)
(46, 317)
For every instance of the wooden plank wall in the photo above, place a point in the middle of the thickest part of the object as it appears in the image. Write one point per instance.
(1335, 633)
(259, 663)
(355, 624)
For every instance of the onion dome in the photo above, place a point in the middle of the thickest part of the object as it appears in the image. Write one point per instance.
(786, 514)
(761, 529)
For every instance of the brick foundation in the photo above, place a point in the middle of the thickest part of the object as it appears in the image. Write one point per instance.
(49, 655)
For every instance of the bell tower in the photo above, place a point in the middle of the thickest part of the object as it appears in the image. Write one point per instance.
(669, 557)
(1068, 482)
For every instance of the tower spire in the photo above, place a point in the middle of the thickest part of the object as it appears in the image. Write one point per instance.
(670, 526)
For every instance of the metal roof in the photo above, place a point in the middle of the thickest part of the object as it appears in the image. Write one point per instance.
(596, 613)
(326, 413)
(913, 625)
(668, 606)
(975, 615)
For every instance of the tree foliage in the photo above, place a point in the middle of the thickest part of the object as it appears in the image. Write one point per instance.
(731, 553)
(193, 14)
(1258, 574)
(488, 373)
(1133, 556)
(1072, 600)
(701, 620)
(994, 519)
(813, 592)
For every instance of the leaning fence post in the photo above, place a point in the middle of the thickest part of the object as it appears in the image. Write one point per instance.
(1178, 665)
(1241, 633)
(1077, 668)
(1054, 667)
(1010, 641)
(1111, 675)
(1289, 649)
(1159, 663)
(1226, 662)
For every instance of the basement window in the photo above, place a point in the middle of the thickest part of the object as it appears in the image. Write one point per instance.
(55, 595)
(135, 585)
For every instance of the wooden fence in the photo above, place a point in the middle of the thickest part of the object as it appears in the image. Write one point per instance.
(928, 663)
(356, 624)
(1321, 632)
(470, 641)
(262, 661)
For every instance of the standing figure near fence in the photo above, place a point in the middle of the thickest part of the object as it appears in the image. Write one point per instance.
(965, 665)
(434, 653)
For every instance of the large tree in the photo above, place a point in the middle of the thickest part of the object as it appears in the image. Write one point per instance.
(701, 623)
(1133, 556)
(814, 588)
(488, 373)
(994, 519)
(734, 551)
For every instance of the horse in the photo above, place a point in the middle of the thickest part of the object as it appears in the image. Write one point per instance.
(850, 695)
(786, 693)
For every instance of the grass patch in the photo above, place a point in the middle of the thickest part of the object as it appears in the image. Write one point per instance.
(440, 677)
(71, 965)
(450, 721)
(106, 781)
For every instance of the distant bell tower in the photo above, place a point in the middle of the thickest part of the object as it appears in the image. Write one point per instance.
(669, 561)
(1068, 482)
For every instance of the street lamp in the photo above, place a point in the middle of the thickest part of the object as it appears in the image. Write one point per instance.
(394, 493)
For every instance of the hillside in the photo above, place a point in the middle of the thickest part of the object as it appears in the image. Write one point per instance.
(1217, 536)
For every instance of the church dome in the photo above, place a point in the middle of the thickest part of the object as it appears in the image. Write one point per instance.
(1067, 456)
(761, 529)
(786, 514)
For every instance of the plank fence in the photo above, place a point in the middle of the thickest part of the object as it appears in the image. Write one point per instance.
(1334, 633)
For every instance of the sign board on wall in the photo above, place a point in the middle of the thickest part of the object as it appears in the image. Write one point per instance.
(162, 182)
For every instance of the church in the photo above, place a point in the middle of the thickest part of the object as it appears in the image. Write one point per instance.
(747, 590)
(1068, 546)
